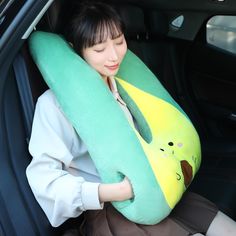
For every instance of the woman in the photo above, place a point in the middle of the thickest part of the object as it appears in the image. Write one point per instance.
(62, 175)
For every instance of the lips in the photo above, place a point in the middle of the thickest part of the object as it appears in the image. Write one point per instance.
(113, 67)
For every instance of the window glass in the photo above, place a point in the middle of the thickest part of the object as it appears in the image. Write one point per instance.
(221, 32)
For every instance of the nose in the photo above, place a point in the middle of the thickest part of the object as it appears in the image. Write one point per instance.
(113, 55)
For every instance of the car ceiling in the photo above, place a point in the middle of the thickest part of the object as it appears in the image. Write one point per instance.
(216, 6)
(196, 13)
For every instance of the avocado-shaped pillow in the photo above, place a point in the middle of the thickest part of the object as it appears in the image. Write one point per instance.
(160, 157)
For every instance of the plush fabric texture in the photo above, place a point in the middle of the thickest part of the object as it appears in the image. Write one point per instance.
(160, 158)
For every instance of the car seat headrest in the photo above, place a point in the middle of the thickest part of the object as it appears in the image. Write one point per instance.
(158, 23)
(133, 18)
(60, 12)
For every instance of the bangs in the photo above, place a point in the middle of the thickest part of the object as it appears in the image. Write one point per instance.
(98, 33)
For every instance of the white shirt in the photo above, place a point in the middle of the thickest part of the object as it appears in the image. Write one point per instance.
(61, 174)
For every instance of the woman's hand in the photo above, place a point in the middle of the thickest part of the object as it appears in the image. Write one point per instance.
(115, 192)
(127, 188)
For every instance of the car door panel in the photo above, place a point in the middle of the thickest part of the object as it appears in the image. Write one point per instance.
(20, 213)
(212, 77)
(14, 160)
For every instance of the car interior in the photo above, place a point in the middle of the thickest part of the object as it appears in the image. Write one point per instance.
(201, 78)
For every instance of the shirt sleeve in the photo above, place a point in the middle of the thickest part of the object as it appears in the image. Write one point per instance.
(60, 194)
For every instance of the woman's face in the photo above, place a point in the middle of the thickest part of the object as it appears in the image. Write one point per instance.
(106, 57)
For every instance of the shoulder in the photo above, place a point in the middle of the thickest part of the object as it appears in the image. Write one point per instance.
(47, 107)
(48, 101)
(48, 98)
(49, 112)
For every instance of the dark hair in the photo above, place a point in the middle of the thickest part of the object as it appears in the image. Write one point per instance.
(90, 25)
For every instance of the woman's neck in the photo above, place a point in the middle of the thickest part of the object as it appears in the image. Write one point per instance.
(106, 80)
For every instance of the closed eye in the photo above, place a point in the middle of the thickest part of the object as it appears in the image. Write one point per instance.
(120, 43)
(99, 50)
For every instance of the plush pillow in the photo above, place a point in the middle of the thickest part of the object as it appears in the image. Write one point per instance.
(160, 157)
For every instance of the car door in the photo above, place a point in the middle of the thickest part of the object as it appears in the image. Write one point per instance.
(211, 76)
(20, 214)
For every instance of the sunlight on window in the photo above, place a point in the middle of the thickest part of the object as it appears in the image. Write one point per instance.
(221, 32)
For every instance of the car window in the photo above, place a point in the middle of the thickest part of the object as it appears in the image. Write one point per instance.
(8, 11)
(221, 32)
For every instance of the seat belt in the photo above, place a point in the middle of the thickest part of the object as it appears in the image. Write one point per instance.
(22, 80)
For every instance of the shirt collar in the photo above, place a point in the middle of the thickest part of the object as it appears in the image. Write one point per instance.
(113, 87)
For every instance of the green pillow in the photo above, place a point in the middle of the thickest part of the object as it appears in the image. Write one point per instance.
(160, 158)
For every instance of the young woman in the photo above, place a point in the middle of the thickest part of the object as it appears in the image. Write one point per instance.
(62, 175)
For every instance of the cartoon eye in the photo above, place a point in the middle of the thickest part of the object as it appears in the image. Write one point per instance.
(162, 149)
(171, 144)
(178, 176)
